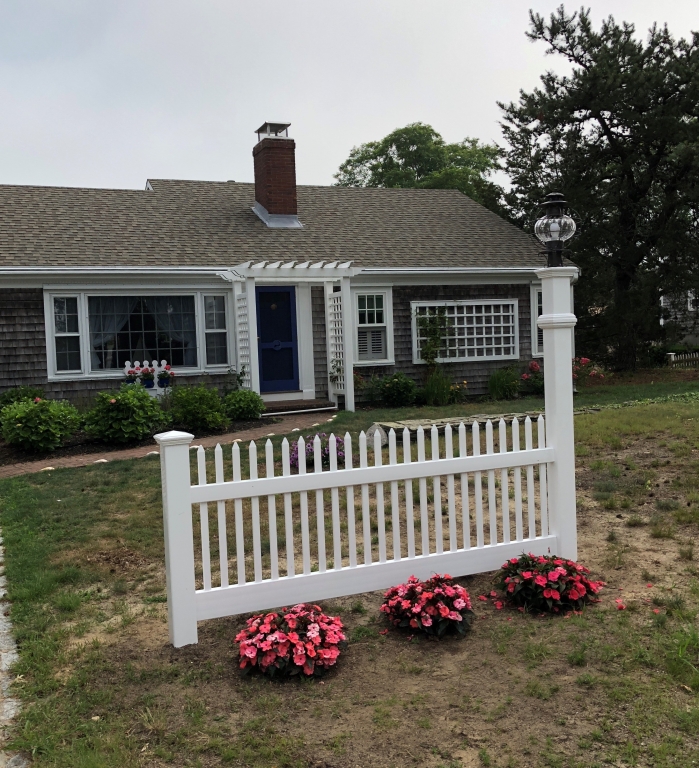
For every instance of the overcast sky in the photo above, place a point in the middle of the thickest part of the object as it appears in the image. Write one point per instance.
(107, 93)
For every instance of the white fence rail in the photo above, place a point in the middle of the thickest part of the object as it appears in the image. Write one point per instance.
(462, 502)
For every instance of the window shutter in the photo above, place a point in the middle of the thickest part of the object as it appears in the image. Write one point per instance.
(363, 344)
(377, 344)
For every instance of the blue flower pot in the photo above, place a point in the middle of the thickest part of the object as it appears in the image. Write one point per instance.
(163, 383)
(149, 383)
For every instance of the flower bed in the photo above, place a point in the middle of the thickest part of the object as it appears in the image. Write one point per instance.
(434, 606)
(547, 583)
(324, 451)
(301, 640)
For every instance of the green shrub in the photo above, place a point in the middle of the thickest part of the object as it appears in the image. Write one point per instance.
(17, 394)
(243, 404)
(38, 425)
(127, 416)
(503, 384)
(398, 390)
(197, 409)
(437, 388)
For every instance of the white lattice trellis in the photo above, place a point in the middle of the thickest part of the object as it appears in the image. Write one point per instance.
(336, 348)
(243, 328)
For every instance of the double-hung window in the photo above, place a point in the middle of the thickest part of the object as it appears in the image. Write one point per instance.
(466, 330)
(66, 330)
(215, 330)
(371, 326)
(97, 333)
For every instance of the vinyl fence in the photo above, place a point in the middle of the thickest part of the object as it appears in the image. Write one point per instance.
(351, 518)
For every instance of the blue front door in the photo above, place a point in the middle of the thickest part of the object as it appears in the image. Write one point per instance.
(277, 346)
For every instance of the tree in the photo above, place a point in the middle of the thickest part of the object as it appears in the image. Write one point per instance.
(619, 136)
(417, 156)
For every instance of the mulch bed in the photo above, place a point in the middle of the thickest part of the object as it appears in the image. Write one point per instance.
(80, 443)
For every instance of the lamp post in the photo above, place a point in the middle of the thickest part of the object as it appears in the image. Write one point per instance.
(554, 228)
(557, 321)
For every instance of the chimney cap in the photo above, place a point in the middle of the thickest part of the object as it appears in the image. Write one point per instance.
(273, 131)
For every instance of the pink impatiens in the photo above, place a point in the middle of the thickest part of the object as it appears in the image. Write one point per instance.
(433, 606)
(539, 583)
(300, 640)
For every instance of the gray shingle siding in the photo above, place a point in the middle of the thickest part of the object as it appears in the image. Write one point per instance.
(476, 372)
(320, 347)
(22, 338)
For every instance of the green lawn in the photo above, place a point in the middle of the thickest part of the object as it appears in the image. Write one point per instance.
(101, 688)
(601, 395)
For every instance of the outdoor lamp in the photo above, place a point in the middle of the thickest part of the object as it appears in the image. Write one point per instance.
(554, 228)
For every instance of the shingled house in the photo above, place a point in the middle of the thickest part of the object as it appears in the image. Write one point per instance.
(295, 283)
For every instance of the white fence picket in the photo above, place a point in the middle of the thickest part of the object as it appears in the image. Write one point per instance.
(380, 516)
(422, 484)
(492, 499)
(335, 505)
(409, 508)
(395, 508)
(255, 505)
(239, 529)
(465, 505)
(288, 513)
(517, 483)
(451, 497)
(478, 487)
(222, 535)
(351, 522)
(504, 485)
(303, 503)
(204, 522)
(531, 499)
(366, 510)
(272, 512)
(437, 495)
(541, 434)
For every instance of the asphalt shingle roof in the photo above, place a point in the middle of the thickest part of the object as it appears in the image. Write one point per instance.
(201, 224)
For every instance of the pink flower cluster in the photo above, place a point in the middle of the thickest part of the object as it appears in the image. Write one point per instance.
(302, 639)
(585, 370)
(434, 606)
(547, 583)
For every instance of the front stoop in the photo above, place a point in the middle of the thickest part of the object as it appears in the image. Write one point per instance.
(279, 407)
(9, 706)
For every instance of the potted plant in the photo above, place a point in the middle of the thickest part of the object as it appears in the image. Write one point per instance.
(165, 376)
(148, 377)
(131, 376)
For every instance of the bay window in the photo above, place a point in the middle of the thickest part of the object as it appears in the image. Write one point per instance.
(95, 334)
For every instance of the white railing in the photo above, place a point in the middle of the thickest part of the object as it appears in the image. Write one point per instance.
(360, 523)
(683, 360)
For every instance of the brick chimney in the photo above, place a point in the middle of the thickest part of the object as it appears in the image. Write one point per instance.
(275, 176)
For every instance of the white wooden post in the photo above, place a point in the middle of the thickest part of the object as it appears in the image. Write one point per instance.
(179, 536)
(252, 329)
(557, 322)
(348, 343)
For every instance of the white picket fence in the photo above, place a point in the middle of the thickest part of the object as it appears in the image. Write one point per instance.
(683, 359)
(482, 496)
(464, 509)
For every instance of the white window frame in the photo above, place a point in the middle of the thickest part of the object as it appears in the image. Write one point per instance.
(537, 349)
(227, 329)
(387, 294)
(82, 295)
(464, 302)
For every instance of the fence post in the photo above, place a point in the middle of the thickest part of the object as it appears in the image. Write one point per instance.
(556, 322)
(670, 359)
(179, 536)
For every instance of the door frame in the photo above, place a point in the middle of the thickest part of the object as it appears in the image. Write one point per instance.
(288, 384)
